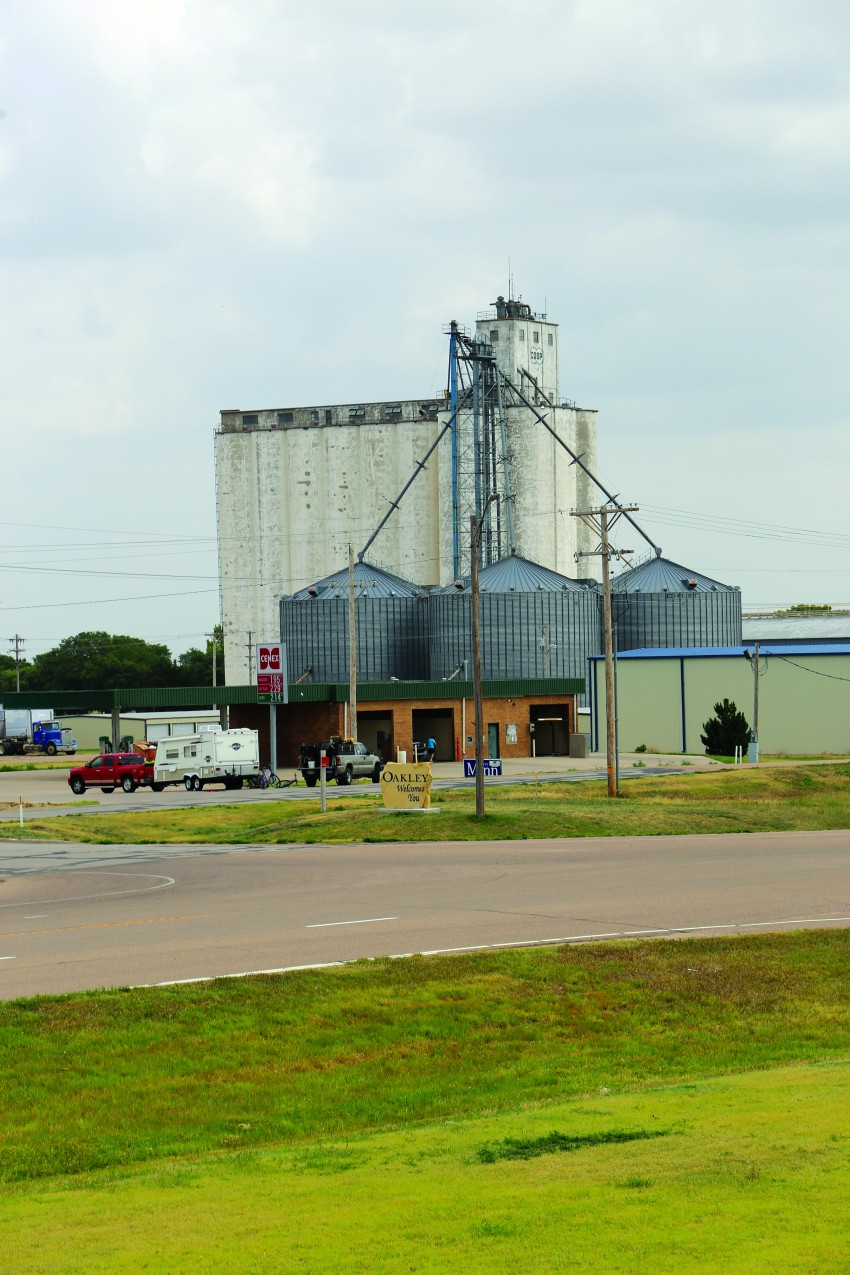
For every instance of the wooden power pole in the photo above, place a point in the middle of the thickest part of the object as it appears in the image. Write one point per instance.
(478, 702)
(601, 521)
(352, 650)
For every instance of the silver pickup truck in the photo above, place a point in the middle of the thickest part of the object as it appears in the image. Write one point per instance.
(346, 761)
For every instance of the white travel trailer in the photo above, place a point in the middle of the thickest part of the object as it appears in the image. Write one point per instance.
(226, 757)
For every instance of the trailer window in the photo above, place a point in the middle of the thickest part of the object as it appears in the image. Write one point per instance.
(171, 754)
(190, 750)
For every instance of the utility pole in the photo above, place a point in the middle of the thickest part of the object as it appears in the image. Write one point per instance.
(754, 738)
(212, 636)
(352, 645)
(474, 537)
(352, 650)
(478, 712)
(18, 642)
(601, 521)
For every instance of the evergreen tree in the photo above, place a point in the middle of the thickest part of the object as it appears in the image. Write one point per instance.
(726, 731)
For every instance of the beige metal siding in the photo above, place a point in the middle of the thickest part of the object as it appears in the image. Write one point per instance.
(804, 706)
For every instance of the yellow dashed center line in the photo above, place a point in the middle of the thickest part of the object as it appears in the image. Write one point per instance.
(102, 925)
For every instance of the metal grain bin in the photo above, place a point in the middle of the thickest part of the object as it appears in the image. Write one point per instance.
(534, 623)
(391, 620)
(660, 603)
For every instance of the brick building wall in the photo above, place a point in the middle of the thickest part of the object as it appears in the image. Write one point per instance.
(410, 719)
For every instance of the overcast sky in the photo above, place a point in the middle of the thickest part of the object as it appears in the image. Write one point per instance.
(218, 204)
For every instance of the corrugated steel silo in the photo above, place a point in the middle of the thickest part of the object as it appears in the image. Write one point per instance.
(392, 628)
(660, 603)
(534, 623)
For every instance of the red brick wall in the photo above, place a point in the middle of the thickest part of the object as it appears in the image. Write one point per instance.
(309, 722)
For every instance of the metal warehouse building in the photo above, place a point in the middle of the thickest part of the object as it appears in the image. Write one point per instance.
(665, 695)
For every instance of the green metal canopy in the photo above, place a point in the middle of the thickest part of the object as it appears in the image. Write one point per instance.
(159, 697)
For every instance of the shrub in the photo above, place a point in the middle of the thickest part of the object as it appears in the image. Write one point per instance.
(726, 731)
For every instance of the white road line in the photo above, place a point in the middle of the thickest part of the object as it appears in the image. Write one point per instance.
(495, 947)
(8, 958)
(103, 894)
(369, 920)
(39, 916)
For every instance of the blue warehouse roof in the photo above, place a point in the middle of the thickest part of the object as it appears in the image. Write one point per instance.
(714, 652)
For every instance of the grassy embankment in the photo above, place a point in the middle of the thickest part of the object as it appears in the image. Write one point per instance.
(356, 1119)
(779, 798)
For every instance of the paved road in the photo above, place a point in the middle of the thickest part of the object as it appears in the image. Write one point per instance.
(74, 917)
(52, 786)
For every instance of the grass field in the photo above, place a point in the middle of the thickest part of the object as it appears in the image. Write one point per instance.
(778, 798)
(749, 1173)
(676, 1105)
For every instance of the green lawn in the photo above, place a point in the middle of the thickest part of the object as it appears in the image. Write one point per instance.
(677, 1105)
(748, 1173)
(746, 800)
(106, 1079)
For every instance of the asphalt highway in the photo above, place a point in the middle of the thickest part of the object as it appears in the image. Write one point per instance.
(51, 786)
(80, 916)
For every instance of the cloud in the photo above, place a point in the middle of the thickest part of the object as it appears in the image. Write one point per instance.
(208, 205)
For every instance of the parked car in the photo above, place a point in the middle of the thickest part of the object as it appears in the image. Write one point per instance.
(109, 771)
(346, 761)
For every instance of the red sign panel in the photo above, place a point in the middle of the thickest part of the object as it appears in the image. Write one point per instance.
(271, 671)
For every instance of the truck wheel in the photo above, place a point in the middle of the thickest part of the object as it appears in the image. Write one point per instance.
(157, 787)
(78, 785)
(346, 777)
(187, 782)
(50, 749)
(376, 773)
(198, 784)
(107, 790)
(311, 780)
(128, 783)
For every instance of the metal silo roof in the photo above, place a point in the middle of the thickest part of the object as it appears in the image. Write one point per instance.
(519, 575)
(381, 585)
(660, 575)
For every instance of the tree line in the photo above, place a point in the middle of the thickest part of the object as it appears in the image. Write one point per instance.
(96, 660)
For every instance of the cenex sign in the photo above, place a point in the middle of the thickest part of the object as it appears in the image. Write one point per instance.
(272, 676)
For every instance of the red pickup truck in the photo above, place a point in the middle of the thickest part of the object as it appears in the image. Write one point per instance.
(113, 770)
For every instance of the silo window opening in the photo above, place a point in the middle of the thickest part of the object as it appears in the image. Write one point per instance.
(522, 334)
(314, 416)
(250, 418)
(356, 414)
(285, 418)
(329, 419)
(494, 334)
(393, 411)
(536, 337)
(551, 339)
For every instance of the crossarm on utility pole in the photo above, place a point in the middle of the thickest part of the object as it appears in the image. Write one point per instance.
(577, 460)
